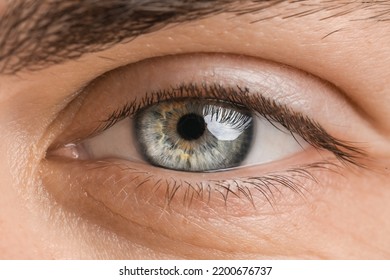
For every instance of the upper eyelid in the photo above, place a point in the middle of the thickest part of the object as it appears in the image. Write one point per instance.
(295, 122)
(296, 81)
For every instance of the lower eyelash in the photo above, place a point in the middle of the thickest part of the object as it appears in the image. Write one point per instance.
(243, 188)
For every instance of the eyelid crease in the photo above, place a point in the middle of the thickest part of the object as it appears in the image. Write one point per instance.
(295, 122)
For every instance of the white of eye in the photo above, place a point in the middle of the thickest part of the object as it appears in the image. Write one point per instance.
(271, 142)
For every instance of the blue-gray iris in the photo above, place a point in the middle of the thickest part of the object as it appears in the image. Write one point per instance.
(194, 134)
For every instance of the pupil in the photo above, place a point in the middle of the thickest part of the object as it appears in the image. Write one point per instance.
(191, 126)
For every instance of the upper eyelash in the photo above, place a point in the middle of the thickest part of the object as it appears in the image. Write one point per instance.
(311, 131)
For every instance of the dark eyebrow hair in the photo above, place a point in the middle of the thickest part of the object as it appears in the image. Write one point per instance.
(40, 33)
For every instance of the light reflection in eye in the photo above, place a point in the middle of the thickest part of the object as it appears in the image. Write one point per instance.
(225, 131)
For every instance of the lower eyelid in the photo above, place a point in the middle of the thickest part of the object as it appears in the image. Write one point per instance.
(121, 186)
(127, 199)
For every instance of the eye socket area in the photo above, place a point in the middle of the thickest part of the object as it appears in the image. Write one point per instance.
(280, 97)
(142, 194)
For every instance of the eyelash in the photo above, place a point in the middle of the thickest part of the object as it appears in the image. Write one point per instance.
(295, 122)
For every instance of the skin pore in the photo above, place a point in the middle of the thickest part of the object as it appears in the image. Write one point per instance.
(52, 94)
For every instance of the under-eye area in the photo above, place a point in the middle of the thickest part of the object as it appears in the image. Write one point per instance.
(129, 186)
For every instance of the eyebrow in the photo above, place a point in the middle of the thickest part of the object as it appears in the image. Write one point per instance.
(39, 33)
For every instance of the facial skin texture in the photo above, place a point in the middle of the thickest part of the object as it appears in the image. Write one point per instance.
(45, 212)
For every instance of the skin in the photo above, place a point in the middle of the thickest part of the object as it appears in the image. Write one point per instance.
(44, 215)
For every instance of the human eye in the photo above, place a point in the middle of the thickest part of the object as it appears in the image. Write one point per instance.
(204, 124)
(123, 147)
(193, 133)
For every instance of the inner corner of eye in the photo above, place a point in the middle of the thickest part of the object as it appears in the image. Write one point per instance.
(193, 135)
(70, 150)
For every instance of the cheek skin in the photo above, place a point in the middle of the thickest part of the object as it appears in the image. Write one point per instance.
(21, 243)
(17, 234)
(351, 220)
